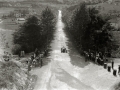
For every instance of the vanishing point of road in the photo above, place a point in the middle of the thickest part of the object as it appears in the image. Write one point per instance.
(69, 71)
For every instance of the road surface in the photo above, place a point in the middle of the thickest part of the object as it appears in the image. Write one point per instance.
(69, 71)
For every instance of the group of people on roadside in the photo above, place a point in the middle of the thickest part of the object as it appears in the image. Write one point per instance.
(97, 58)
(112, 64)
(36, 59)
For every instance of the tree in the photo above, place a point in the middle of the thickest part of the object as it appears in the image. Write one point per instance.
(35, 33)
(47, 25)
(79, 22)
(97, 34)
(28, 36)
(90, 30)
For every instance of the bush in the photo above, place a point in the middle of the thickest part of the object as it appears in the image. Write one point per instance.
(16, 49)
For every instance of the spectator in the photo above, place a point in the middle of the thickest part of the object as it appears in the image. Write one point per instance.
(41, 62)
(19, 54)
(112, 64)
(119, 69)
(32, 57)
(90, 56)
(10, 56)
(36, 52)
(23, 53)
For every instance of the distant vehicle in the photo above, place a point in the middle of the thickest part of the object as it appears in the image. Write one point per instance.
(20, 20)
(63, 50)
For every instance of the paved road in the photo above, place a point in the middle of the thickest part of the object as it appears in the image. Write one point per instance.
(69, 71)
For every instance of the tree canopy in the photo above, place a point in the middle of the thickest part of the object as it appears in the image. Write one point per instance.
(35, 33)
(90, 30)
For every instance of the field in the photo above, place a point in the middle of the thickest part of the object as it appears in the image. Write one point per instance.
(9, 24)
(6, 37)
(68, 2)
(105, 7)
(7, 27)
(5, 11)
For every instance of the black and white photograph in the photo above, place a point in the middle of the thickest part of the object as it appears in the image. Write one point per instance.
(59, 44)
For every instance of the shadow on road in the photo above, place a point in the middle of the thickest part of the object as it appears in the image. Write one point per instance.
(47, 60)
(65, 77)
(76, 58)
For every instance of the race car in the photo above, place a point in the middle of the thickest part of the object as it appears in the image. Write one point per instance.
(63, 50)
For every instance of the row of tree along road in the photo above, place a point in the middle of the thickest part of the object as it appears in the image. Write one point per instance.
(90, 31)
(36, 32)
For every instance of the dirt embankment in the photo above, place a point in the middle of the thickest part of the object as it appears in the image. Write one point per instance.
(13, 76)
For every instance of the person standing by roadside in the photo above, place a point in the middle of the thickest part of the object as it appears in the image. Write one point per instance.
(119, 69)
(112, 64)
(32, 57)
(36, 52)
(30, 63)
(89, 56)
(23, 53)
(41, 62)
(97, 57)
(86, 57)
